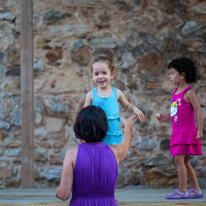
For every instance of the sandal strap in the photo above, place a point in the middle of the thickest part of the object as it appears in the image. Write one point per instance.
(197, 193)
(182, 193)
(175, 193)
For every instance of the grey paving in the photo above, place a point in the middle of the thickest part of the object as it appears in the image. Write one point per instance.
(146, 195)
(126, 195)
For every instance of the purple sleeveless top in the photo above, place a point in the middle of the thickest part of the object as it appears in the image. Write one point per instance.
(95, 176)
(183, 122)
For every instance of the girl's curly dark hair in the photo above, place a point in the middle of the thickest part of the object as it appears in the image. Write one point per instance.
(187, 66)
(91, 124)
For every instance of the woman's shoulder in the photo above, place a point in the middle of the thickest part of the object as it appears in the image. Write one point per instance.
(72, 153)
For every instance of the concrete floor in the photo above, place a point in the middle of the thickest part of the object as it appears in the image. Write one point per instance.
(129, 196)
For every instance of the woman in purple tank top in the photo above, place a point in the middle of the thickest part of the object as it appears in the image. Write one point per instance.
(90, 169)
(185, 139)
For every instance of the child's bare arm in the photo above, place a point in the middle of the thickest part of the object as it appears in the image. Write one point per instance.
(129, 107)
(88, 100)
(196, 105)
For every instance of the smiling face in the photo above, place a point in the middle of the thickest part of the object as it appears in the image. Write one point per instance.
(101, 74)
(175, 77)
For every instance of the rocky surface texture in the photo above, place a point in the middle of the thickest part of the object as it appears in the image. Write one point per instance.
(141, 37)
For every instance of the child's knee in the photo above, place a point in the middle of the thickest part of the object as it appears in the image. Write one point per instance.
(187, 162)
(179, 160)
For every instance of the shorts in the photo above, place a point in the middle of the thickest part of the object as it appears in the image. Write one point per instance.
(189, 149)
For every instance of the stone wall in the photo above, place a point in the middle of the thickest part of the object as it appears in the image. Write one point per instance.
(141, 37)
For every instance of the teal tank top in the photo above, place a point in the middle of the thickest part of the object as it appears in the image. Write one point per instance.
(111, 107)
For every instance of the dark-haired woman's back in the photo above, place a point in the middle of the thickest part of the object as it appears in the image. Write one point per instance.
(95, 176)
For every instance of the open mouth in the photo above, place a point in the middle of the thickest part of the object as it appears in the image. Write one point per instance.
(101, 82)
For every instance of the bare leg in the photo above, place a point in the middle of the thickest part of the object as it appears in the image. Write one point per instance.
(191, 175)
(182, 172)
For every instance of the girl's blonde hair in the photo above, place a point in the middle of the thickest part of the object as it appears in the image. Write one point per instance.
(103, 59)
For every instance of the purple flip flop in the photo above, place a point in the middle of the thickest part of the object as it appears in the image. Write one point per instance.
(197, 194)
(174, 196)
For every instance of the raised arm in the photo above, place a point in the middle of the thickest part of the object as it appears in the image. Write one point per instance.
(129, 107)
(64, 189)
(88, 100)
(121, 149)
(196, 105)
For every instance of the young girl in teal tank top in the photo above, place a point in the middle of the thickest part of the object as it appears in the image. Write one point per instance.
(108, 98)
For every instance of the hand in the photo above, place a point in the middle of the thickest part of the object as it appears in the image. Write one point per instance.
(199, 135)
(128, 122)
(138, 114)
(162, 118)
(57, 192)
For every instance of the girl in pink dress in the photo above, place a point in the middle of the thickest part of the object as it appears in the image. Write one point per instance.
(185, 139)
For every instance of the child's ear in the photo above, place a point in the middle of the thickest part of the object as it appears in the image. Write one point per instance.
(91, 76)
(112, 74)
(182, 75)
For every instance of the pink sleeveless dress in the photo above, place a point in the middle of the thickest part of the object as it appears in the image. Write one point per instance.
(184, 131)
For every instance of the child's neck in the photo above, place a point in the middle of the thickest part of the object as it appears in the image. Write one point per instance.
(182, 86)
(104, 92)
